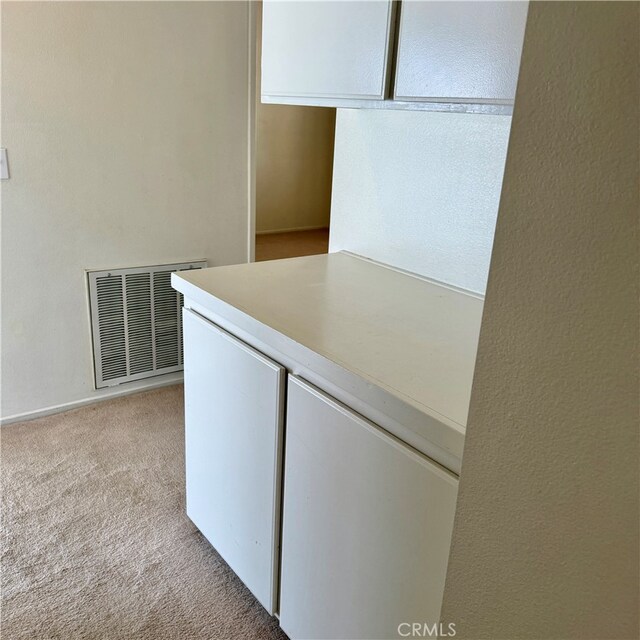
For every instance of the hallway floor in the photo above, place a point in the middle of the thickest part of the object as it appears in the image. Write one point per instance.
(95, 539)
(274, 246)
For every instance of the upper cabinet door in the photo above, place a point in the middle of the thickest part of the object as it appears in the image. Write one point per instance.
(325, 50)
(459, 51)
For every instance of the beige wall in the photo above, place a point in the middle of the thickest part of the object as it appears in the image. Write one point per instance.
(545, 543)
(126, 126)
(294, 162)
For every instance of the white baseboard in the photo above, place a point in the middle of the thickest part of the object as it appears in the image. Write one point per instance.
(271, 231)
(107, 394)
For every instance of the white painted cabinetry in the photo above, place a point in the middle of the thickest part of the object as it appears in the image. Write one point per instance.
(366, 527)
(233, 431)
(459, 51)
(326, 50)
(380, 365)
(449, 54)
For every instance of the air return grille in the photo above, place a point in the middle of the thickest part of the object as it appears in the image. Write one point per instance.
(136, 322)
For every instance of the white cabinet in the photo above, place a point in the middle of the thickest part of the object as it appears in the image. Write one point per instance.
(325, 50)
(339, 53)
(366, 527)
(233, 430)
(459, 51)
(367, 512)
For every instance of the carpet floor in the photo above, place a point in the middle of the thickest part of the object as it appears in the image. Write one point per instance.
(95, 540)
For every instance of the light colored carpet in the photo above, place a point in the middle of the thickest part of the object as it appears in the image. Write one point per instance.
(95, 541)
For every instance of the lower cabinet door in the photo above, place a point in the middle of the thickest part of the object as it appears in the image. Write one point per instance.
(233, 439)
(367, 525)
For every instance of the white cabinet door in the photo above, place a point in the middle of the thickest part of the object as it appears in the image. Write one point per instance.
(233, 430)
(459, 51)
(325, 49)
(366, 529)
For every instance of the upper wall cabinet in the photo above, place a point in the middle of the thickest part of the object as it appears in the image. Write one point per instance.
(319, 52)
(459, 51)
(460, 56)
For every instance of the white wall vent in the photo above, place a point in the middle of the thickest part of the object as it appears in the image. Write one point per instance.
(136, 322)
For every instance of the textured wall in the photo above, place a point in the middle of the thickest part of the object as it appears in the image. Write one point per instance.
(294, 160)
(419, 190)
(126, 125)
(546, 542)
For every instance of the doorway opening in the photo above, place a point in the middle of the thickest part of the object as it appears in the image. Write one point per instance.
(293, 172)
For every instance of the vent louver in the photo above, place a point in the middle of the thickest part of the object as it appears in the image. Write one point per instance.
(136, 322)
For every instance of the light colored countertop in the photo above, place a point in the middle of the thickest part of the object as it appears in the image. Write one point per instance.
(414, 339)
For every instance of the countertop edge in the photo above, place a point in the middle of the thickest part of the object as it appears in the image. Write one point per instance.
(426, 430)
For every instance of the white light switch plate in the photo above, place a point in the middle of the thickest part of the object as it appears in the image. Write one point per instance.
(4, 165)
